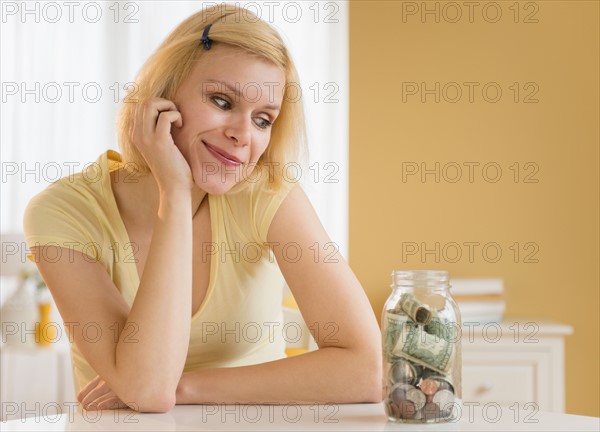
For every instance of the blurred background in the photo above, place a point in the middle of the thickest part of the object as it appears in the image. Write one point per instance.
(474, 148)
(461, 136)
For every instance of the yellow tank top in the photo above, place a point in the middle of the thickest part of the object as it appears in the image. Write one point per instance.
(240, 321)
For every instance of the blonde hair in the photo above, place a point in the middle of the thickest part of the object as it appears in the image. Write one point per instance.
(164, 72)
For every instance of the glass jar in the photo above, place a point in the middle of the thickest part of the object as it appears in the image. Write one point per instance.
(421, 332)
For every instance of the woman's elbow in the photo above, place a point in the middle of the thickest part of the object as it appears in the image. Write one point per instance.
(369, 367)
(152, 401)
(371, 390)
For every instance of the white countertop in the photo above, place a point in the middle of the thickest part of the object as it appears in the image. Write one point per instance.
(291, 417)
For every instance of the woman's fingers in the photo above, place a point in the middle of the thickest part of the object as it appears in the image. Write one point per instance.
(97, 395)
(88, 388)
(151, 112)
(165, 120)
(101, 389)
(107, 401)
(152, 135)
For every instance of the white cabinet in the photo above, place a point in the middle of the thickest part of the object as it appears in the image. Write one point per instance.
(35, 381)
(504, 364)
(517, 363)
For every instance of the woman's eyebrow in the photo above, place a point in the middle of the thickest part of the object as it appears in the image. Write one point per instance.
(236, 90)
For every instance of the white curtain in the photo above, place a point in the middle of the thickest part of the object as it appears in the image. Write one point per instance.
(65, 64)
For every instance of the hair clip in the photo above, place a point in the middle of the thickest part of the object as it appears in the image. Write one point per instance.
(204, 39)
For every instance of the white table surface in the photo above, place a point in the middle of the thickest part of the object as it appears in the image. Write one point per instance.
(292, 417)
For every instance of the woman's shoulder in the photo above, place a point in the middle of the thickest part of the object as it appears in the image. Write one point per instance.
(254, 206)
(77, 199)
(77, 191)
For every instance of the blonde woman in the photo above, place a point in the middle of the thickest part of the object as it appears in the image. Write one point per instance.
(167, 262)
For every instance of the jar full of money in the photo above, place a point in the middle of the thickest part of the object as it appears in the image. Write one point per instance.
(421, 332)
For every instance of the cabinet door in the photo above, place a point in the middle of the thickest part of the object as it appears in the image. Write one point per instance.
(34, 382)
(508, 377)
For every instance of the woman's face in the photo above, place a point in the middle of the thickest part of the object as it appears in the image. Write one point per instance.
(228, 104)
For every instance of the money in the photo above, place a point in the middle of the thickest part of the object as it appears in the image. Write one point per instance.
(440, 327)
(393, 329)
(426, 401)
(418, 415)
(399, 392)
(390, 408)
(419, 312)
(413, 342)
(444, 381)
(443, 384)
(427, 372)
(403, 371)
(444, 399)
(417, 397)
(431, 411)
(429, 386)
(423, 356)
(406, 409)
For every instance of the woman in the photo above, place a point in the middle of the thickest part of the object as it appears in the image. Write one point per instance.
(160, 259)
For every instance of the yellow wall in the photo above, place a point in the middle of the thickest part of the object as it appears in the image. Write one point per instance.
(558, 215)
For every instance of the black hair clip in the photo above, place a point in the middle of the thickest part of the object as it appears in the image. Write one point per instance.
(204, 39)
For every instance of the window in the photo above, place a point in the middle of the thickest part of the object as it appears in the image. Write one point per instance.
(65, 66)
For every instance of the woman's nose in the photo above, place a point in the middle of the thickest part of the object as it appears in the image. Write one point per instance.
(238, 129)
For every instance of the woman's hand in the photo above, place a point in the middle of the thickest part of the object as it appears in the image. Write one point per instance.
(96, 395)
(151, 134)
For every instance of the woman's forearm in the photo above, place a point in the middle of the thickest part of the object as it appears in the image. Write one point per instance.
(151, 351)
(328, 375)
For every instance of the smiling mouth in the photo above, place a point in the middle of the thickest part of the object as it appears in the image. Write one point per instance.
(222, 156)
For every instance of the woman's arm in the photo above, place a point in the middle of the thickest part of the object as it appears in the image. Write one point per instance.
(347, 366)
(139, 352)
(133, 350)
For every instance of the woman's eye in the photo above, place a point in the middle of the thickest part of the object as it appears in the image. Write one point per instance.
(224, 104)
(262, 123)
(220, 102)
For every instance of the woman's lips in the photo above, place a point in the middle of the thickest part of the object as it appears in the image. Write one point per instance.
(222, 156)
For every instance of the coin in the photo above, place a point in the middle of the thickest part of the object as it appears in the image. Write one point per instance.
(391, 409)
(399, 392)
(406, 409)
(429, 386)
(444, 385)
(444, 399)
(431, 411)
(403, 371)
(417, 397)
(418, 415)
(443, 381)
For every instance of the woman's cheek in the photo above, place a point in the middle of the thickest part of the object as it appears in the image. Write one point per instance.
(262, 142)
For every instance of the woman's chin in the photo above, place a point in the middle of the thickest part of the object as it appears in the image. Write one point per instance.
(214, 186)
(214, 179)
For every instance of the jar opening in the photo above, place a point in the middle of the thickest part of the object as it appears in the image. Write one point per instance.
(420, 278)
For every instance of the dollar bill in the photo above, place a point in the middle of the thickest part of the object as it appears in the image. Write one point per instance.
(414, 343)
(419, 312)
(441, 327)
(392, 333)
